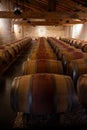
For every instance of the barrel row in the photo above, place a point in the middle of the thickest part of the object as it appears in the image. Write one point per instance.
(56, 44)
(81, 44)
(74, 60)
(9, 52)
(77, 69)
(40, 62)
(61, 47)
(43, 89)
(73, 69)
(42, 50)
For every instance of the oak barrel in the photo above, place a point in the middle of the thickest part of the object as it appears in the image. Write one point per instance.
(42, 66)
(5, 55)
(64, 50)
(43, 56)
(82, 90)
(77, 68)
(13, 47)
(68, 56)
(84, 47)
(11, 51)
(43, 94)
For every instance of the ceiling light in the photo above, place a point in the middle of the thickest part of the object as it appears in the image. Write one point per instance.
(17, 10)
(76, 19)
(36, 20)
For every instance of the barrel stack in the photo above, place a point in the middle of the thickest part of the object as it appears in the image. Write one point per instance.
(82, 90)
(43, 90)
(10, 52)
(77, 69)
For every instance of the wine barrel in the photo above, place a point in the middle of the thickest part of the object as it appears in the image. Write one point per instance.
(68, 56)
(4, 55)
(16, 48)
(82, 90)
(11, 51)
(42, 94)
(77, 68)
(84, 47)
(77, 43)
(13, 47)
(43, 56)
(2, 64)
(63, 51)
(74, 42)
(81, 44)
(42, 66)
(19, 46)
(42, 51)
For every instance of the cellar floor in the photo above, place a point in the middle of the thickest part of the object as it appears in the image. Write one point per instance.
(76, 118)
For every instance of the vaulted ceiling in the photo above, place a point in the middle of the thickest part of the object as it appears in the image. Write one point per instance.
(49, 12)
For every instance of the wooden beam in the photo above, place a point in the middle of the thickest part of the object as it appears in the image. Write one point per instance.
(42, 23)
(45, 15)
(9, 14)
(51, 5)
(48, 23)
(36, 22)
(30, 14)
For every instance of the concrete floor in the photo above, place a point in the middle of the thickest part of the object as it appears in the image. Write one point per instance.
(7, 115)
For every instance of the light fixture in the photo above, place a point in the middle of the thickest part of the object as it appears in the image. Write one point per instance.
(17, 10)
(67, 21)
(76, 19)
(37, 19)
